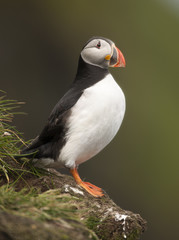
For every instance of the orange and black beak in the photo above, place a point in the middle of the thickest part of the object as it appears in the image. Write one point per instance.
(117, 59)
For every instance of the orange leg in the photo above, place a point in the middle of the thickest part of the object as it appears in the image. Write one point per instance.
(93, 186)
(90, 188)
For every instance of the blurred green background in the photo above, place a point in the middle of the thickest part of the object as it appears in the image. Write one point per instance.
(40, 42)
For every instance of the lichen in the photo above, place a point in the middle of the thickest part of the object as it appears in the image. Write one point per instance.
(76, 191)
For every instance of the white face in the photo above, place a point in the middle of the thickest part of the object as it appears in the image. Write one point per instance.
(95, 53)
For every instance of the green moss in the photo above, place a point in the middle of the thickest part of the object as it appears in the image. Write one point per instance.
(65, 237)
(134, 235)
(46, 206)
(92, 222)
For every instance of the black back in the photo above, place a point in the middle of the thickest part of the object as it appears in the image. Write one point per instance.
(52, 138)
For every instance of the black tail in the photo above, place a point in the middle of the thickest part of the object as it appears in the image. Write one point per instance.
(29, 152)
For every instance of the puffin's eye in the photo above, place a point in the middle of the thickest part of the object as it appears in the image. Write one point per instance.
(98, 45)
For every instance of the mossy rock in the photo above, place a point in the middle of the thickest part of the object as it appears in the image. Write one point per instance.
(54, 205)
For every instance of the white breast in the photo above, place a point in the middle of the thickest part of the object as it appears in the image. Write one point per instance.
(95, 120)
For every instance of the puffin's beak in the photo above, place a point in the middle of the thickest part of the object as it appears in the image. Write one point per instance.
(117, 59)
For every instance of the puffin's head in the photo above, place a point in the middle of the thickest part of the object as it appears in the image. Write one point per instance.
(103, 53)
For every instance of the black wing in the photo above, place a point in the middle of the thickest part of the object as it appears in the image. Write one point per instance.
(51, 139)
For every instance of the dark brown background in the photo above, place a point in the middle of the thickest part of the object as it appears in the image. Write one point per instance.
(40, 42)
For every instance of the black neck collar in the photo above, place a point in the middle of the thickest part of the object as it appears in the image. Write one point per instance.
(87, 74)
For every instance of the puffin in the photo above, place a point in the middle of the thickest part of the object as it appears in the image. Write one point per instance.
(87, 117)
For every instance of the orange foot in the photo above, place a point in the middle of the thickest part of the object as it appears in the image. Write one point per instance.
(90, 188)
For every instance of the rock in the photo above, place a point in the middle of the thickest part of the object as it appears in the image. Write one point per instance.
(86, 217)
